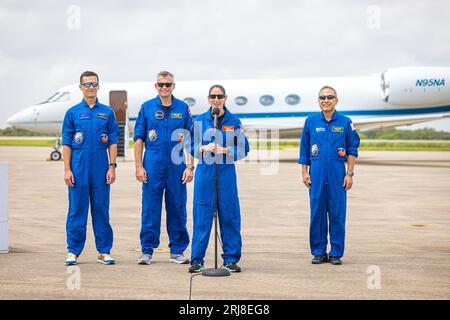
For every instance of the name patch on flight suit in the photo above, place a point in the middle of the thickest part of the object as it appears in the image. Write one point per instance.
(320, 129)
(101, 115)
(84, 116)
(337, 129)
(159, 115)
(227, 128)
(176, 116)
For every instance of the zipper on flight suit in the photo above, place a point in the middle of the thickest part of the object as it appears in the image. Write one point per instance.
(166, 144)
(326, 151)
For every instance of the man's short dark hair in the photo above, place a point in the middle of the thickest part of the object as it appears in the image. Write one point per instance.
(88, 74)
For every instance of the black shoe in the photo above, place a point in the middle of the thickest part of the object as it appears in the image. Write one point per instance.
(320, 259)
(232, 267)
(335, 260)
(196, 267)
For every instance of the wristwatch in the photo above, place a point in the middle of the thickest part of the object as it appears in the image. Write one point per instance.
(192, 168)
(113, 164)
(350, 173)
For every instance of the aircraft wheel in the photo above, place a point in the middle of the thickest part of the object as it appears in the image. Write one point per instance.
(55, 156)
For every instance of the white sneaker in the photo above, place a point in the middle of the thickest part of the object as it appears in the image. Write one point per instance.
(145, 258)
(178, 258)
(71, 259)
(105, 259)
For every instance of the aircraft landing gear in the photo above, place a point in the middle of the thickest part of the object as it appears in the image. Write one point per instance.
(56, 155)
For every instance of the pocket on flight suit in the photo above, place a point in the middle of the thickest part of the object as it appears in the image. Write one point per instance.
(338, 147)
(79, 138)
(204, 185)
(101, 138)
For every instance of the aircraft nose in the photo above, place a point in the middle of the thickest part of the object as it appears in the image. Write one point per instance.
(15, 118)
(22, 119)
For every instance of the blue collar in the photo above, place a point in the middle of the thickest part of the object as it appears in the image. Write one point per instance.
(226, 115)
(159, 103)
(333, 117)
(85, 104)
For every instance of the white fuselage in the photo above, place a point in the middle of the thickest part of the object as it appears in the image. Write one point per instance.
(397, 96)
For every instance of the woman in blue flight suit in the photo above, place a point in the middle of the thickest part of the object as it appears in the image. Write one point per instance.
(232, 145)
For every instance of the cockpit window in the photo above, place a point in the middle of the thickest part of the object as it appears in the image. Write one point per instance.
(51, 97)
(65, 96)
(58, 97)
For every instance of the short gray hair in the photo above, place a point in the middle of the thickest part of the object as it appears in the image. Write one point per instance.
(165, 74)
(328, 87)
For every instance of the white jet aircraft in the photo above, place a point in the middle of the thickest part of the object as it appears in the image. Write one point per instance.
(396, 97)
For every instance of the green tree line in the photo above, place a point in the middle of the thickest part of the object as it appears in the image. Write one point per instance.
(14, 132)
(381, 134)
(394, 134)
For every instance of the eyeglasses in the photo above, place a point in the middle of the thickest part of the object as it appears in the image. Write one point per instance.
(87, 85)
(167, 84)
(329, 97)
(218, 96)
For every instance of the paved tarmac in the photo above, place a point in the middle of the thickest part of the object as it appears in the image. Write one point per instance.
(397, 245)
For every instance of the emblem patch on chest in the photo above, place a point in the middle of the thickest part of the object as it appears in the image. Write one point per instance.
(314, 150)
(101, 115)
(227, 128)
(337, 129)
(341, 152)
(176, 116)
(152, 135)
(159, 115)
(180, 137)
(78, 137)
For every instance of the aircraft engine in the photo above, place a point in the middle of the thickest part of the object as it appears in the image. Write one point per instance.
(416, 86)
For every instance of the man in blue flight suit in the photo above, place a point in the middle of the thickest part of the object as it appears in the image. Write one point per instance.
(328, 138)
(163, 124)
(89, 133)
(232, 145)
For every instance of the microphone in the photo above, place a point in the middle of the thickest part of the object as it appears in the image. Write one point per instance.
(215, 112)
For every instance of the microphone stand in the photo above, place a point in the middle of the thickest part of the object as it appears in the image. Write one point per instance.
(215, 272)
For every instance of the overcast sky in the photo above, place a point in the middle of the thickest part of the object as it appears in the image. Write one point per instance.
(45, 44)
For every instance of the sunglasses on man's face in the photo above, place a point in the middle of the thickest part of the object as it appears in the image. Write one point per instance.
(329, 97)
(167, 84)
(218, 96)
(87, 85)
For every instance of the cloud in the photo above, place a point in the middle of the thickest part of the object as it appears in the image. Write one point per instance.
(209, 39)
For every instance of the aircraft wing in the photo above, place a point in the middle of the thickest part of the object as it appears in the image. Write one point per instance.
(292, 127)
(390, 122)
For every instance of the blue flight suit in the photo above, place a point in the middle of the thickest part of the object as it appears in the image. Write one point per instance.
(324, 146)
(166, 135)
(89, 132)
(230, 134)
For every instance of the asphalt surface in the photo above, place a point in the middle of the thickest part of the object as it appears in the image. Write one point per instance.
(397, 237)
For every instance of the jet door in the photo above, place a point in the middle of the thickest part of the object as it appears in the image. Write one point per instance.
(119, 103)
